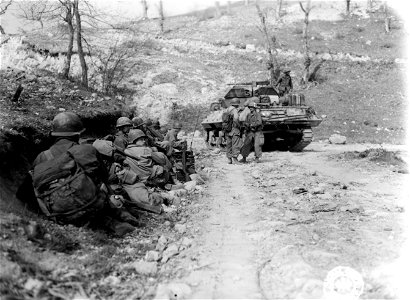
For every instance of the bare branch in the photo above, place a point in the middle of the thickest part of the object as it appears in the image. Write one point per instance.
(5, 7)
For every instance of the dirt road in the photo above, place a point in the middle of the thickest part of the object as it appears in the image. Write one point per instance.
(276, 229)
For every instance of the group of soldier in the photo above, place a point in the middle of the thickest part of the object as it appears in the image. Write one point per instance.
(108, 183)
(244, 134)
(245, 131)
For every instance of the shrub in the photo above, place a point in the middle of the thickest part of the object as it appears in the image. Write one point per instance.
(339, 36)
(298, 31)
(387, 45)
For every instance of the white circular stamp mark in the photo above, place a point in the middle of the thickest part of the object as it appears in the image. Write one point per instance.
(343, 283)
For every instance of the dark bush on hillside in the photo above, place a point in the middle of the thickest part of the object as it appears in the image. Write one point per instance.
(298, 31)
(359, 29)
(387, 45)
(339, 36)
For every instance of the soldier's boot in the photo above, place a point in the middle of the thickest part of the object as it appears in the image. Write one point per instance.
(118, 228)
(229, 161)
(257, 160)
(235, 161)
(129, 218)
(243, 160)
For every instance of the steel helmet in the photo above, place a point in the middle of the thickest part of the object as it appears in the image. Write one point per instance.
(123, 121)
(235, 102)
(137, 122)
(252, 104)
(135, 134)
(177, 125)
(148, 122)
(286, 70)
(67, 124)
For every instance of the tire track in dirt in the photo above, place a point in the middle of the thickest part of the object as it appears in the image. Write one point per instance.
(229, 268)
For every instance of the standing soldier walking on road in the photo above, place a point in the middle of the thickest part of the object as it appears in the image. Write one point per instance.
(253, 134)
(231, 128)
(284, 84)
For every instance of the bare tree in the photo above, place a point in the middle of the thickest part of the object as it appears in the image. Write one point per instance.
(278, 8)
(68, 18)
(229, 7)
(113, 65)
(144, 9)
(387, 17)
(347, 7)
(270, 42)
(217, 9)
(4, 5)
(307, 75)
(84, 68)
(161, 16)
(369, 7)
(36, 11)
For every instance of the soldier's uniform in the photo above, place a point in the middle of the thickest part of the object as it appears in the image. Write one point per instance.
(59, 198)
(233, 138)
(123, 125)
(152, 167)
(254, 137)
(284, 84)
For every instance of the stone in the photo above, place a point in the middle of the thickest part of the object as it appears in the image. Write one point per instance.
(178, 192)
(190, 185)
(33, 285)
(181, 228)
(9, 270)
(167, 223)
(186, 242)
(318, 190)
(250, 47)
(197, 133)
(173, 291)
(337, 139)
(171, 251)
(152, 256)
(299, 190)
(145, 268)
(162, 243)
(216, 151)
(197, 178)
(325, 196)
(199, 189)
(256, 174)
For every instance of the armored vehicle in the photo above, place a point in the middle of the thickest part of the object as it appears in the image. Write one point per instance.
(287, 120)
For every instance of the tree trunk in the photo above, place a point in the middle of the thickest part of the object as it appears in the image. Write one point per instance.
(307, 61)
(144, 9)
(278, 8)
(69, 21)
(217, 9)
(347, 7)
(369, 5)
(387, 18)
(270, 47)
(2, 30)
(228, 7)
(84, 73)
(161, 16)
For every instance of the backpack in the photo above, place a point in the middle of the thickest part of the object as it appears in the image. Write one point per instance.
(64, 185)
(227, 121)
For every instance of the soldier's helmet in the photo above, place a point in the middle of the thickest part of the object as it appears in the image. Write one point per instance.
(67, 124)
(235, 102)
(135, 134)
(251, 104)
(148, 122)
(177, 125)
(137, 122)
(123, 121)
(286, 71)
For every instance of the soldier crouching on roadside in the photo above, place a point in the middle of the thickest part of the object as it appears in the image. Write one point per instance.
(69, 181)
(123, 126)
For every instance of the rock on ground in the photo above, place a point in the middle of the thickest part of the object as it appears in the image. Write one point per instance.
(173, 291)
(145, 268)
(337, 139)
